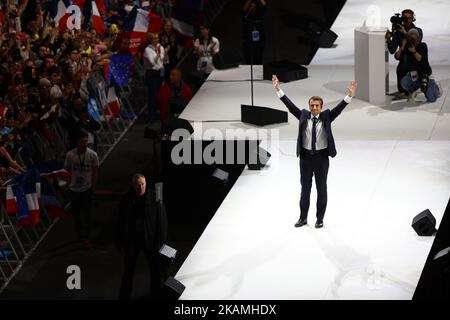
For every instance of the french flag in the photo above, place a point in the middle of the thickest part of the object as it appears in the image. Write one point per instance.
(91, 12)
(50, 202)
(58, 13)
(113, 100)
(185, 15)
(23, 196)
(133, 36)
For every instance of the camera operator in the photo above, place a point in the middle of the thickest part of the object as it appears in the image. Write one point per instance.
(400, 27)
(414, 55)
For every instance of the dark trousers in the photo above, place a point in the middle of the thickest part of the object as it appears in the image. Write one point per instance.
(80, 203)
(130, 260)
(153, 80)
(316, 165)
(402, 70)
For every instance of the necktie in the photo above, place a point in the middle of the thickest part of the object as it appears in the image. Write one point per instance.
(313, 134)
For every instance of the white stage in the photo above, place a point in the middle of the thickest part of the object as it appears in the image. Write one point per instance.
(393, 162)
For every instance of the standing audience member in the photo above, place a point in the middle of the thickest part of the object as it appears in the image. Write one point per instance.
(205, 48)
(83, 164)
(169, 42)
(154, 72)
(253, 29)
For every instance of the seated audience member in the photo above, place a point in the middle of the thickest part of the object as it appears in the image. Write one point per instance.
(173, 96)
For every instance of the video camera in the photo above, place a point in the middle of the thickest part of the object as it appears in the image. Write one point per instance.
(397, 19)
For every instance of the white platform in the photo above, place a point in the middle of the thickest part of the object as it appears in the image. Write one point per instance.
(367, 249)
(393, 162)
(432, 16)
(219, 100)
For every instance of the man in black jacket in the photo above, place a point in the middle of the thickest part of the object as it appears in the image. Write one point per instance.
(142, 226)
(394, 41)
(315, 143)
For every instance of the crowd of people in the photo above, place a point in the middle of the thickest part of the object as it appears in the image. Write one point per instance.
(48, 79)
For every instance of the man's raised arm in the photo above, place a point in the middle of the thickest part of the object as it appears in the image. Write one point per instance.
(289, 104)
(351, 90)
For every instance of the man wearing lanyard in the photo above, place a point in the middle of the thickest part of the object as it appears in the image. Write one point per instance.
(315, 143)
(83, 164)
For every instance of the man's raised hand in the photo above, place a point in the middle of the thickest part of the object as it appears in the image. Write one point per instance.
(352, 88)
(275, 82)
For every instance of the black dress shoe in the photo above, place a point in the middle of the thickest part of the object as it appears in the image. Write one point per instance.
(300, 223)
(319, 224)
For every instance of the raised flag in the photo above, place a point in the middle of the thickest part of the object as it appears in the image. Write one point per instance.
(132, 37)
(185, 15)
(113, 100)
(92, 15)
(58, 13)
(120, 66)
(22, 197)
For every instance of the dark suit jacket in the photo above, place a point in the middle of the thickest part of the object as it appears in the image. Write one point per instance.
(155, 224)
(326, 116)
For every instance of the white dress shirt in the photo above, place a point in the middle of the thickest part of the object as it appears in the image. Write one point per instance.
(151, 59)
(321, 135)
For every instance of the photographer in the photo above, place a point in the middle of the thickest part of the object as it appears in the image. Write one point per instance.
(400, 27)
(414, 55)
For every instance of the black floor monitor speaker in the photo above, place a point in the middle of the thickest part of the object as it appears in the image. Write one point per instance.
(424, 223)
(171, 124)
(285, 70)
(258, 159)
(172, 289)
(326, 39)
(227, 59)
(262, 116)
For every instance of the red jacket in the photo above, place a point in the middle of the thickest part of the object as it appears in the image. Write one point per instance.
(163, 99)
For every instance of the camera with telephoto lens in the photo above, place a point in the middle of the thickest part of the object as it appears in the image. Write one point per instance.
(397, 19)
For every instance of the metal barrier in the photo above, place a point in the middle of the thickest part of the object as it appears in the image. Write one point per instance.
(18, 243)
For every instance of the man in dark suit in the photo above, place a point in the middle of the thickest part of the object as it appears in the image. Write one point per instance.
(142, 226)
(315, 143)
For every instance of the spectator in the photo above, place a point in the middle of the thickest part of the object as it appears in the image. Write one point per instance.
(205, 48)
(82, 163)
(142, 226)
(414, 54)
(54, 74)
(169, 42)
(7, 161)
(253, 14)
(154, 72)
(173, 96)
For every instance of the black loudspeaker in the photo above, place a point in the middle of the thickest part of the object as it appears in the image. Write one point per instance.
(258, 158)
(326, 38)
(262, 116)
(172, 289)
(171, 124)
(227, 59)
(285, 70)
(424, 223)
